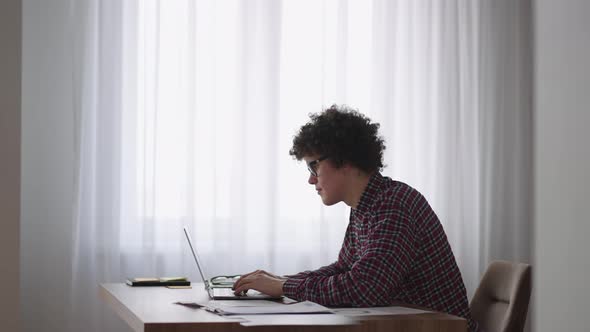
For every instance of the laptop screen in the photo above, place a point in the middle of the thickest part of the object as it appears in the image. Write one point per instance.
(194, 251)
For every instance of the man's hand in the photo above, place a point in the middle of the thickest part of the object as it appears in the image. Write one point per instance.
(261, 281)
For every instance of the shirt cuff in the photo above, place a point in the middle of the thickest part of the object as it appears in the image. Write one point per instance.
(290, 287)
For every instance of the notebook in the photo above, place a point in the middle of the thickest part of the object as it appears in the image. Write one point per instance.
(222, 291)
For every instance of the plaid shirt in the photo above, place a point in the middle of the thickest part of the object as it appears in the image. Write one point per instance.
(395, 249)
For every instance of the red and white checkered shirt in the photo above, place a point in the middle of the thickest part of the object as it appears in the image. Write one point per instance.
(394, 250)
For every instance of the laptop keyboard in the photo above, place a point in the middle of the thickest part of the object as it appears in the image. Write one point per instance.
(230, 292)
(223, 292)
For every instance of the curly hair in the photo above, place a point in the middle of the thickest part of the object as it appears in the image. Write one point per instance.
(343, 135)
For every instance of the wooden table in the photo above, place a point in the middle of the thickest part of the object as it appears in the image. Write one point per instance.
(152, 309)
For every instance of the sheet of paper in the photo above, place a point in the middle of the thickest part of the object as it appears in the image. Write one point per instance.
(377, 311)
(305, 307)
(295, 319)
(243, 303)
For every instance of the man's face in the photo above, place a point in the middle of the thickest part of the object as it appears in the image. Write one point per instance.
(329, 181)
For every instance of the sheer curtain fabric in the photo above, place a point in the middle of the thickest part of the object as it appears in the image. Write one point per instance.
(185, 112)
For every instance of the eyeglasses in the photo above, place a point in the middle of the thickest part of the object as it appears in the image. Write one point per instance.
(312, 166)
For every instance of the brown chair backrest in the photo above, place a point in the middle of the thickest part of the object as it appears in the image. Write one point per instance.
(500, 303)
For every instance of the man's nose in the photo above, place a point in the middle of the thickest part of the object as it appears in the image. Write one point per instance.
(312, 179)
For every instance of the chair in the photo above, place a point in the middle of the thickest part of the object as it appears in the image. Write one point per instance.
(501, 301)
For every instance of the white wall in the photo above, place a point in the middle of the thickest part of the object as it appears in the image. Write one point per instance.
(562, 159)
(47, 169)
(10, 131)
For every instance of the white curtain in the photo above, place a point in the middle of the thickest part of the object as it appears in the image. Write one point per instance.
(185, 111)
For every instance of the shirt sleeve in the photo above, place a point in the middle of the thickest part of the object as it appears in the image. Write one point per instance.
(373, 279)
(328, 270)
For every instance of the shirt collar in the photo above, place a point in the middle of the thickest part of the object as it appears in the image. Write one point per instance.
(369, 196)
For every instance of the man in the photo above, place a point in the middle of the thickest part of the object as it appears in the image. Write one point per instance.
(395, 248)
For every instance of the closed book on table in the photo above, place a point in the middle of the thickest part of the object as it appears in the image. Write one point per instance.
(174, 281)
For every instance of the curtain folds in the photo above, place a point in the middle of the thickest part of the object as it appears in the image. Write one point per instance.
(185, 111)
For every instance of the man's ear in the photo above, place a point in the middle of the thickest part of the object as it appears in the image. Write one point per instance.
(348, 167)
(351, 169)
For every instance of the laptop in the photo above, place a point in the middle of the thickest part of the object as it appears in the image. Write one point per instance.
(222, 290)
